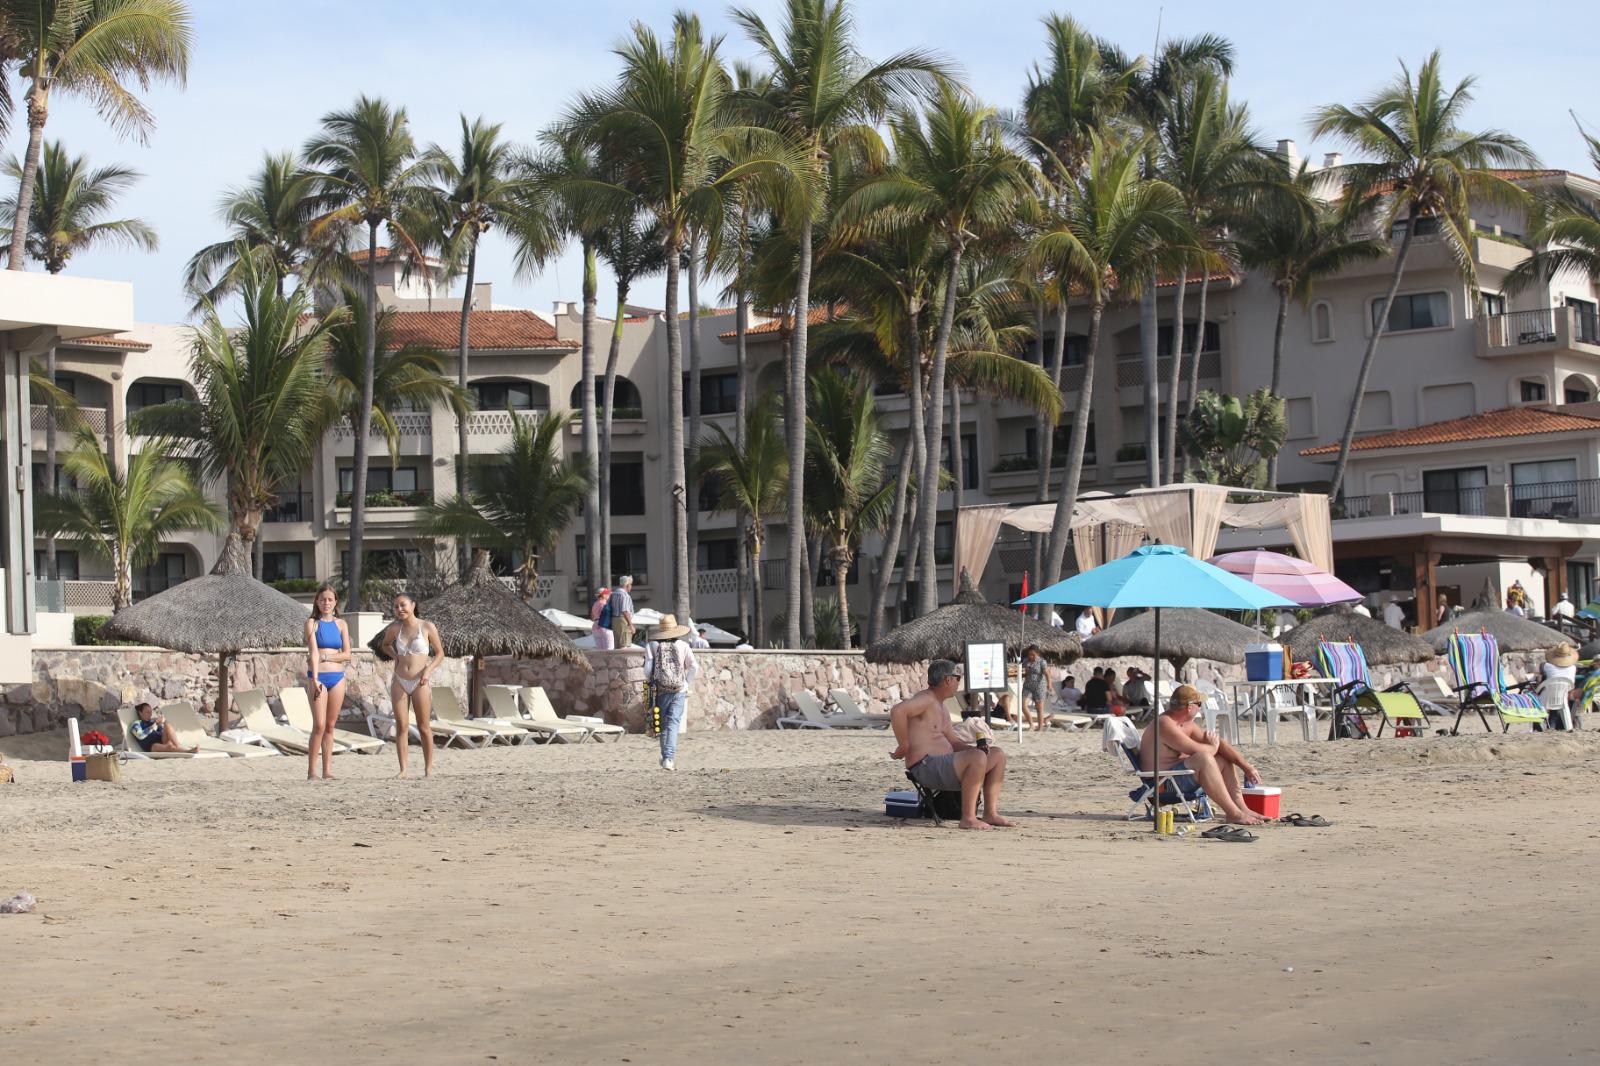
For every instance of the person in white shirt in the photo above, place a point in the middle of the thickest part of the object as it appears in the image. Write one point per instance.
(1394, 615)
(1056, 621)
(1564, 608)
(1070, 692)
(699, 642)
(1086, 625)
(669, 666)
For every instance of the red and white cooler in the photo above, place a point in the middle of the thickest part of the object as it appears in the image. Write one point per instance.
(1264, 800)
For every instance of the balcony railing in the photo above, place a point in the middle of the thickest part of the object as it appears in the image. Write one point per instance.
(291, 507)
(708, 582)
(500, 423)
(386, 499)
(93, 417)
(70, 596)
(1543, 327)
(1353, 507)
(409, 423)
(1577, 499)
(1556, 499)
(1130, 367)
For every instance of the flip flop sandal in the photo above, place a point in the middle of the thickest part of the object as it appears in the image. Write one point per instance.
(1218, 832)
(1300, 821)
(1231, 834)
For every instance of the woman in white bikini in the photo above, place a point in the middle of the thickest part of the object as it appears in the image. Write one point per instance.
(414, 645)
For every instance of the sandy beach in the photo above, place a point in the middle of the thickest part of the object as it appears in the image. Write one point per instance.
(574, 904)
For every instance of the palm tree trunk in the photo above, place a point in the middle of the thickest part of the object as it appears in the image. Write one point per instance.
(38, 112)
(758, 624)
(1199, 349)
(928, 496)
(841, 570)
(1149, 358)
(794, 430)
(122, 582)
(591, 440)
(919, 456)
(50, 566)
(693, 483)
(1075, 448)
(957, 475)
(462, 445)
(1366, 359)
(1044, 431)
(740, 398)
(891, 544)
(808, 591)
(608, 397)
(358, 477)
(1169, 442)
(1277, 371)
(677, 487)
(257, 556)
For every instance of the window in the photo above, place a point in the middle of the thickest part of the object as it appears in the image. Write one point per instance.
(1301, 414)
(165, 571)
(1493, 303)
(1546, 488)
(719, 393)
(969, 458)
(1571, 393)
(1042, 352)
(1458, 491)
(519, 395)
(142, 394)
(1426, 226)
(709, 493)
(631, 559)
(398, 479)
(282, 566)
(63, 482)
(66, 565)
(1190, 330)
(1322, 321)
(625, 401)
(1531, 390)
(1585, 325)
(1418, 310)
(388, 563)
(719, 554)
(627, 489)
(506, 563)
(944, 539)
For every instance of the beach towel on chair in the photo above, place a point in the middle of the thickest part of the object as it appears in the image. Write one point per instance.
(1481, 682)
(1346, 663)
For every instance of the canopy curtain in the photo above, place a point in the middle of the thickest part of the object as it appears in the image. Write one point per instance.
(1305, 517)
(976, 529)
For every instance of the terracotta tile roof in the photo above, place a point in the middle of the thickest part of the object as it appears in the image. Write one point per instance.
(710, 312)
(107, 340)
(817, 317)
(486, 330)
(1490, 425)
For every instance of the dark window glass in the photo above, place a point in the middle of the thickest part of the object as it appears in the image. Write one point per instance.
(1190, 331)
(627, 489)
(519, 395)
(66, 564)
(1458, 491)
(1418, 310)
(719, 554)
(142, 394)
(282, 566)
(400, 479)
(1532, 391)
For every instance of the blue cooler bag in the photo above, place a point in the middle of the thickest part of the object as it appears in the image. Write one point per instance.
(902, 804)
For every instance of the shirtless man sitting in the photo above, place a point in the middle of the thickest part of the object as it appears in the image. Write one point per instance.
(937, 758)
(1186, 745)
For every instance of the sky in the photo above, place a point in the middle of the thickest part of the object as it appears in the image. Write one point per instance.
(262, 75)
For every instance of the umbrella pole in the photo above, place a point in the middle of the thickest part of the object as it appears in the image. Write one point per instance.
(1022, 706)
(1155, 670)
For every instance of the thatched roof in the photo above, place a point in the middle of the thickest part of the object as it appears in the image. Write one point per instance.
(480, 616)
(1186, 633)
(969, 618)
(1382, 644)
(225, 611)
(1509, 631)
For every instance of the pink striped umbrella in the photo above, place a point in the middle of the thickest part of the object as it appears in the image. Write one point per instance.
(1293, 579)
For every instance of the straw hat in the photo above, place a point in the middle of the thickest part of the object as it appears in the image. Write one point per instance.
(669, 629)
(1562, 655)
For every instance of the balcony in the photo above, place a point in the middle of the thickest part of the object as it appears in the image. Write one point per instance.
(1130, 368)
(39, 418)
(1557, 499)
(416, 434)
(384, 508)
(714, 582)
(501, 423)
(1545, 329)
(291, 507)
(73, 597)
(1575, 500)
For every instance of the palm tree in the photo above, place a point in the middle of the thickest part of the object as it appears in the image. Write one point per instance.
(1115, 228)
(521, 500)
(372, 173)
(95, 48)
(954, 173)
(1566, 234)
(404, 376)
(123, 516)
(826, 94)
(270, 217)
(847, 452)
(1296, 239)
(1232, 440)
(1421, 164)
(754, 482)
(481, 189)
(70, 204)
(263, 398)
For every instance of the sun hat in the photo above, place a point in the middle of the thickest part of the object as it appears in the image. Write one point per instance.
(669, 629)
(1562, 654)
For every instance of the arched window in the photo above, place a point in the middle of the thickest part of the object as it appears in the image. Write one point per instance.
(626, 401)
(147, 392)
(1577, 389)
(1322, 321)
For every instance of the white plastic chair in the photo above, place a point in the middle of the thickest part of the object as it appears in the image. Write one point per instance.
(1281, 704)
(1217, 712)
(1553, 693)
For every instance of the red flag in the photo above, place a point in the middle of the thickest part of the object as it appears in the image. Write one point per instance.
(1021, 608)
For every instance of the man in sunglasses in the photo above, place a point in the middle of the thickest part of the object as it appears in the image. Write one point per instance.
(1185, 744)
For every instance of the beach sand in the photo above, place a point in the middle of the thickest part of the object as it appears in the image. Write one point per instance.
(575, 904)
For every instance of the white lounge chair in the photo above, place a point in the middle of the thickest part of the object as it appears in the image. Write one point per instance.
(251, 706)
(812, 715)
(851, 710)
(297, 712)
(506, 708)
(447, 711)
(536, 704)
(126, 716)
(190, 731)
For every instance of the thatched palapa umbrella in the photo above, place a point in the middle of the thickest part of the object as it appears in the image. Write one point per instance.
(1186, 633)
(1382, 643)
(480, 617)
(220, 614)
(970, 619)
(1511, 632)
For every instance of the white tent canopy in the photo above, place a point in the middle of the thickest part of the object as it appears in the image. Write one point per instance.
(714, 634)
(565, 620)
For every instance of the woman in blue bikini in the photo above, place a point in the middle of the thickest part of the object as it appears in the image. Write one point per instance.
(414, 644)
(328, 645)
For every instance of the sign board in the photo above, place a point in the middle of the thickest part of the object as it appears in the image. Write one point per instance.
(986, 667)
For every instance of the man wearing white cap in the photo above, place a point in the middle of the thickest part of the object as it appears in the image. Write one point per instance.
(669, 665)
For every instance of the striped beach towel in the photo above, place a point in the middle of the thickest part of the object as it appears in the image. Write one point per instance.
(1475, 660)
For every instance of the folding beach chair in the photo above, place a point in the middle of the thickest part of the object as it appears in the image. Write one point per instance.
(1120, 738)
(1481, 684)
(1397, 705)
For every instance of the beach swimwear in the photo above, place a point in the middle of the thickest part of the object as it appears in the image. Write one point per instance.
(329, 638)
(417, 645)
(408, 684)
(937, 772)
(148, 734)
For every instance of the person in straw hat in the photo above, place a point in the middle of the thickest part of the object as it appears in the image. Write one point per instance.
(669, 666)
(1186, 745)
(1561, 662)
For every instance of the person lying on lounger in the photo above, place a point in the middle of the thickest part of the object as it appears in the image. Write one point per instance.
(153, 733)
(936, 756)
(1185, 744)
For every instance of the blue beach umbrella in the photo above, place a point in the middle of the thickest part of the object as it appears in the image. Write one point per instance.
(1157, 576)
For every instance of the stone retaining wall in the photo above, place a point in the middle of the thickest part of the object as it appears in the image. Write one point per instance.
(734, 690)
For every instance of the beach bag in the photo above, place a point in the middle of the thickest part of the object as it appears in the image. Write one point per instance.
(668, 674)
(605, 615)
(102, 768)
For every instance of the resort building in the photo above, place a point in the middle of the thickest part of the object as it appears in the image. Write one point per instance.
(1481, 409)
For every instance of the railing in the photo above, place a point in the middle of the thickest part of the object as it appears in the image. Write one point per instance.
(1130, 367)
(1353, 507)
(1556, 499)
(409, 423)
(384, 499)
(67, 596)
(93, 417)
(500, 423)
(291, 507)
(1465, 501)
(1573, 499)
(708, 582)
(1542, 326)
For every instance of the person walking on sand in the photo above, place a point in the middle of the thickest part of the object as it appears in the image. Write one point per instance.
(670, 666)
(938, 758)
(622, 613)
(1035, 685)
(327, 652)
(414, 645)
(600, 619)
